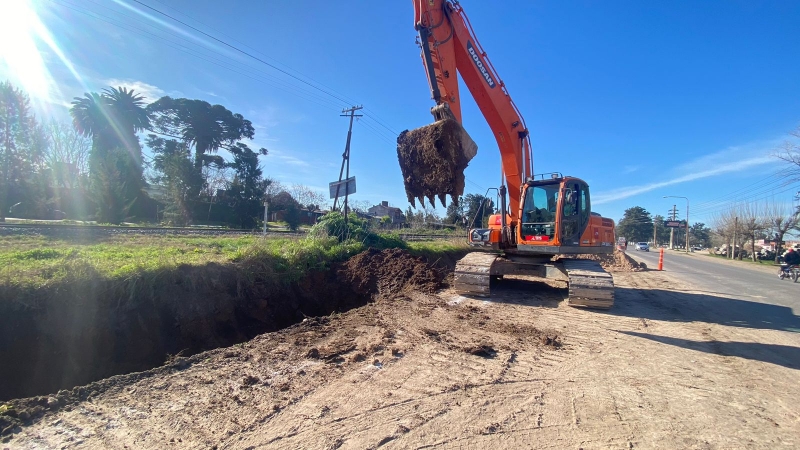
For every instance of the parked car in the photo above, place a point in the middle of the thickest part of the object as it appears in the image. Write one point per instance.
(642, 246)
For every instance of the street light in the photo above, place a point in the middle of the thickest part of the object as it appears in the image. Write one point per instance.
(687, 217)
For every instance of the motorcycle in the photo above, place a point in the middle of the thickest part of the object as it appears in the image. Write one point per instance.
(787, 271)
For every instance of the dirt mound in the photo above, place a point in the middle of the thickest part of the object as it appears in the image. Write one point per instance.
(433, 159)
(618, 262)
(389, 272)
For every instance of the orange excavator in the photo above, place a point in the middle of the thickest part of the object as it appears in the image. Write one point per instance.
(545, 222)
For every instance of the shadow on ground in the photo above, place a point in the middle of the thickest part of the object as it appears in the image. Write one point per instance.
(526, 292)
(678, 306)
(782, 355)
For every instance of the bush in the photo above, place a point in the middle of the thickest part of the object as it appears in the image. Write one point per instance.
(356, 229)
(292, 217)
(333, 224)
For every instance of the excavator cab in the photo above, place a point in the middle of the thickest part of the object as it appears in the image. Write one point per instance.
(556, 216)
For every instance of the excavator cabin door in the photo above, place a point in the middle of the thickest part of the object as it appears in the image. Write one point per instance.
(575, 212)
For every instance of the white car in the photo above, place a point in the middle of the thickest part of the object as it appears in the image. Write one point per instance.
(643, 246)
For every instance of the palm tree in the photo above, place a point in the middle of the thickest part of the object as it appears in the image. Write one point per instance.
(112, 119)
(127, 117)
(89, 115)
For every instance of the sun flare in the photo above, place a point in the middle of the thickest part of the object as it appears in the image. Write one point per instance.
(19, 55)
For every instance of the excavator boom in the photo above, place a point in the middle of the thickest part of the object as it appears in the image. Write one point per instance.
(433, 158)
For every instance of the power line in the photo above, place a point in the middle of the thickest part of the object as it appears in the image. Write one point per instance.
(242, 52)
(325, 101)
(274, 82)
(273, 66)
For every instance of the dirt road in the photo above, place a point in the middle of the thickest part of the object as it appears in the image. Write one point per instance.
(668, 367)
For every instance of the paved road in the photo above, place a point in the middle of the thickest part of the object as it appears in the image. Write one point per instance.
(727, 278)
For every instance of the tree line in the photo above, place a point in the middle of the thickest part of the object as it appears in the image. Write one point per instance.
(747, 222)
(94, 168)
(638, 225)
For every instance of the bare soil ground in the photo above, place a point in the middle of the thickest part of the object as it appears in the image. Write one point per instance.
(431, 369)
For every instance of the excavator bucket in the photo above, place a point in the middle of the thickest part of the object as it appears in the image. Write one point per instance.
(433, 158)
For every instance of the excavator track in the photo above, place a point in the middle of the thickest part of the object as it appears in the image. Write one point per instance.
(589, 284)
(474, 273)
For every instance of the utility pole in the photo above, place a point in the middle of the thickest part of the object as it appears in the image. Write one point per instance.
(687, 225)
(735, 232)
(674, 216)
(655, 243)
(350, 112)
(266, 215)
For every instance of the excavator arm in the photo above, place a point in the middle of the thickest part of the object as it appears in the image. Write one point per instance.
(449, 47)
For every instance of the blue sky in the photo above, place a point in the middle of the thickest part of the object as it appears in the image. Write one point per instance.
(640, 99)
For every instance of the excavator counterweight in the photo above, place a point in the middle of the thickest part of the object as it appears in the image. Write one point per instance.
(432, 160)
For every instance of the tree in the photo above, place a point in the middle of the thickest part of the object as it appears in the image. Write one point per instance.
(112, 120)
(455, 212)
(247, 188)
(22, 147)
(751, 222)
(700, 234)
(67, 154)
(361, 206)
(175, 172)
(662, 232)
(790, 153)
(723, 223)
(779, 220)
(306, 196)
(272, 187)
(636, 225)
(201, 125)
(477, 210)
(128, 117)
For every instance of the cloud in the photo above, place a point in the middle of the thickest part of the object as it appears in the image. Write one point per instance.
(732, 159)
(288, 159)
(148, 91)
(630, 169)
(707, 161)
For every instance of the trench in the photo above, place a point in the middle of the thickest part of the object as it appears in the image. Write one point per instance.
(89, 328)
(79, 332)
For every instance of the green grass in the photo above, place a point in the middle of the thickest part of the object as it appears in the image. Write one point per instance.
(35, 261)
(748, 260)
(39, 260)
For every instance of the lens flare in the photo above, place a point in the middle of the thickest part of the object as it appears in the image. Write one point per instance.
(18, 52)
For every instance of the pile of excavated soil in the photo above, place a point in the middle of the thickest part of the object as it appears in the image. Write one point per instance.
(432, 160)
(389, 272)
(618, 262)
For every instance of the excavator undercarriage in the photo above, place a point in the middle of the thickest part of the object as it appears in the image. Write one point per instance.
(589, 284)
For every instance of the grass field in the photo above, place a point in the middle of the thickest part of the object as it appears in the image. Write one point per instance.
(37, 261)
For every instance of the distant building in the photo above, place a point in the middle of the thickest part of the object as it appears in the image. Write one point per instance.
(396, 214)
(770, 244)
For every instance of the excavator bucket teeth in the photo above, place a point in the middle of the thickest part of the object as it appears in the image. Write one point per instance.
(443, 199)
(433, 158)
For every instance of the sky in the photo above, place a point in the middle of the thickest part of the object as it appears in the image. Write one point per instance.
(640, 99)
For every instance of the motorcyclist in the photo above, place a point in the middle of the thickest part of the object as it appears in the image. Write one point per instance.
(791, 258)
